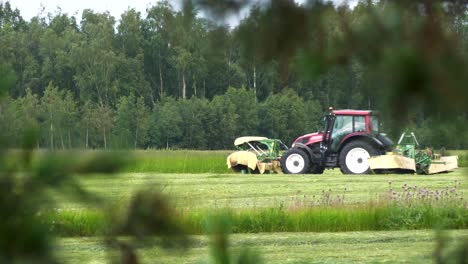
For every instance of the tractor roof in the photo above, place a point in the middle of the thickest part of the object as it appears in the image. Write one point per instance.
(352, 112)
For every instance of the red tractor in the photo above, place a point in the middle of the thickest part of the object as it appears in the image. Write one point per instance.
(349, 138)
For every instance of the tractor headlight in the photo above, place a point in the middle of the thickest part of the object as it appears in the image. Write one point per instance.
(293, 145)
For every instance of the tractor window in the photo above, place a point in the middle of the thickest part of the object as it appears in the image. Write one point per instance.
(343, 126)
(374, 123)
(359, 124)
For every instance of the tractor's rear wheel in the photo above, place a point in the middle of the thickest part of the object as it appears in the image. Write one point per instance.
(295, 161)
(353, 157)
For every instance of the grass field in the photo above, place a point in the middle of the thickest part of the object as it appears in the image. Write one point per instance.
(200, 186)
(305, 219)
(254, 191)
(357, 247)
(272, 203)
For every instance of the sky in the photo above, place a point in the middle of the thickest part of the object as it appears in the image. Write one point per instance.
(31, 8)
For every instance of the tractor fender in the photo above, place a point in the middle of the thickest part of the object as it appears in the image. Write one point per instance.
(305, 148)
(309, 152)
(356, 136)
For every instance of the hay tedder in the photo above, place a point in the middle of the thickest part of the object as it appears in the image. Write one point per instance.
(351, 140)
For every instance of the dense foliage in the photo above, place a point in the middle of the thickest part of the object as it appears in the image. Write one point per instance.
(175, 80)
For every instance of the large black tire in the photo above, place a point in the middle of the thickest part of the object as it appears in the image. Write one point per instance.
(353, 157)
(295, 161)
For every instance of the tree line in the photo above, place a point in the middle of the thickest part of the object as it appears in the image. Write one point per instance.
(194, 123)
(173, 79)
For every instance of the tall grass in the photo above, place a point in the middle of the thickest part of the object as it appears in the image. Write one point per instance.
(321, 219)
(462, 157)
(158, 161)
(336, 219)
(201, 161)
(75, 223)
(400, 208)
(204, 161)
(185, 161)
(179, 161)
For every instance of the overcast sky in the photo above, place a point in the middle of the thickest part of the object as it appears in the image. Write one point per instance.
(30, 8)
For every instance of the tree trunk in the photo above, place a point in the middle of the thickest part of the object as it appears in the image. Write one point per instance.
(61, 138)
(69, 139)
(105, 141)
(136, 137)
(87, 136)
(99, 95)
(51, 136)
(255, 81)
(184, 86)
(204, 89)
(195, 88)
(152, 96)
(161, 89)
(229, 68)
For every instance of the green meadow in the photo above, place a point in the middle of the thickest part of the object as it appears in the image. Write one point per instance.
(287, 219)
(413, 246)
(212, 190)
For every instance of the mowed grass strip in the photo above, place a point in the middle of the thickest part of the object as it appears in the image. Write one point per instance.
(415, 246)
(212, 191)
(320, 219)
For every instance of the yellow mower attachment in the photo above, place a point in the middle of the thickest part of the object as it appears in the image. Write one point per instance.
(392, 162)
(245, 158)
(256, 154)
(406, 158)
(443, 164)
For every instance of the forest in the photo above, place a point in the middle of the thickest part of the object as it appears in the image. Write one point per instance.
(178, 79)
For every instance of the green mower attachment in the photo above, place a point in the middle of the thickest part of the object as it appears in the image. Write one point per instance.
(407, 158)
(256, 155)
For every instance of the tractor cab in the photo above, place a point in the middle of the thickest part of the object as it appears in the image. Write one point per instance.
(344, 124)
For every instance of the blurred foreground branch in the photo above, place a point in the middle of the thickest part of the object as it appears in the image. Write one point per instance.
(26, 178)
(413, 53)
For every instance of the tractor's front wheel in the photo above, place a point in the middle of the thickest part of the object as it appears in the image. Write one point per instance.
(353, 157)
(295, 161)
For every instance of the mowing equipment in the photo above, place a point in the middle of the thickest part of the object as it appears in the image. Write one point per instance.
(351, 140)
(256, 155)
(405, 157)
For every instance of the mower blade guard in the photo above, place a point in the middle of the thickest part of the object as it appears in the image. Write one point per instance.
(273, 166)
(245, 158)
(443, 164)
(392, 162)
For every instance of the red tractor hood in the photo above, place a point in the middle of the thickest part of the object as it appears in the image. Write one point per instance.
(309, 139)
